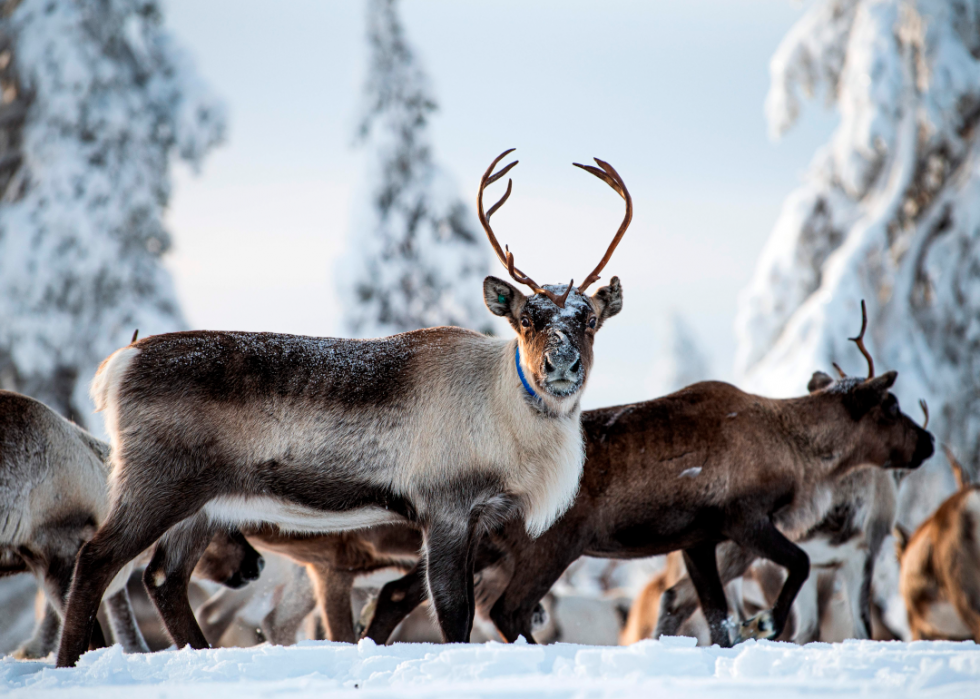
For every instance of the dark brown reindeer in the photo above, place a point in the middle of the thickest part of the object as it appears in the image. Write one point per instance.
(689, 471)
(53, 482)
(444, 428)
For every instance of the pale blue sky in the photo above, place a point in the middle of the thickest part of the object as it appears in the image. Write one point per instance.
(670, 93)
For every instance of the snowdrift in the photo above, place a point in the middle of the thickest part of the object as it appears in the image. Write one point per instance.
(673, 667)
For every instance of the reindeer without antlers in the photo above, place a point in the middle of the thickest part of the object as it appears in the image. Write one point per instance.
(445, 428)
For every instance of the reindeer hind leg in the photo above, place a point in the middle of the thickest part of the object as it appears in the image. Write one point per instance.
(127, 531)
(167, 576)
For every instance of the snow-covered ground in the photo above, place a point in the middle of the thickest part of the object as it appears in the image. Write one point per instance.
(673, 667)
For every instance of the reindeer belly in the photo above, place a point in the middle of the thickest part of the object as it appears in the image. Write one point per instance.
(294, 517)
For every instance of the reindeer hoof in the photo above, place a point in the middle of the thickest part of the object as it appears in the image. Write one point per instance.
(762, 626)
(366, 617)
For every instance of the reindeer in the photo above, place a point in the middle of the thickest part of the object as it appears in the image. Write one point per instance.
(702, 466)
(445, 428)
(333, 562)
(940, 566)
(53, 479)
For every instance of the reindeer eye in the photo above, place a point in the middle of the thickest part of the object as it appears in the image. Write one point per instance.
(891, 406)
(592, 322)
(525, 322)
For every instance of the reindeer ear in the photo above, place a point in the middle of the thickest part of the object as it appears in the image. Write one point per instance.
(608, 300)
(883, 383)
(818, 381)
(502, 299)
(902, 537)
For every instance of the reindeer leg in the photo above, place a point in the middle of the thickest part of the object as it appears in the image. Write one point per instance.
(292, 602)
(129, 529)
(703, 569)
(45, 636)
(765, 540)
(395, 601)
(534, 575)
(332, 589)
(680, 601)
(54, 567)
(125, 630)
(168, 574)
(449, 573)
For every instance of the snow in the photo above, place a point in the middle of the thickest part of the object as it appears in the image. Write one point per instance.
(649, 668)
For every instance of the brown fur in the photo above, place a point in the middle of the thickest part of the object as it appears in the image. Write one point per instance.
(702, 466)
(333, 563)
(940, 568)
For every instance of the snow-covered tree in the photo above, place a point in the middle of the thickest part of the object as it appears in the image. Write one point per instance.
(97, 102)
(889, 212)
(416, 260)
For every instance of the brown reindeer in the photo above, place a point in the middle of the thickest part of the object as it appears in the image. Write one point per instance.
(333, 562)
(53, 482)
(702, 466)
(445, 428)
(940, 566)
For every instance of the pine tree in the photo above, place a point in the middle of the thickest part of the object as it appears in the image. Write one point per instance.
(418, 262)
(97, 101)
(889, 213)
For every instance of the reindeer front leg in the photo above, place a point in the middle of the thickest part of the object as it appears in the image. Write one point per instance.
(396, 600)
(703, 569)
(765, 540)
(449, 559)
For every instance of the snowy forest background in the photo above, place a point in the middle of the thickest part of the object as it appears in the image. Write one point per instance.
(352, 136)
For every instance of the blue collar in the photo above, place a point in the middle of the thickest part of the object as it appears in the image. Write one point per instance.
(520, 373)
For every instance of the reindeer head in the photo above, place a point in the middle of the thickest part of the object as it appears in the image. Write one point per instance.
(557, 324)
(878, 431)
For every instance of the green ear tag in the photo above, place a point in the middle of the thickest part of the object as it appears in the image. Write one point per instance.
(501, 298)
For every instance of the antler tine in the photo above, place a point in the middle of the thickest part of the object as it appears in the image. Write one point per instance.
(959, 475)
(859, 341)
(490, 177)
(839, 370)
(519, 276)
(608, 175)
(925, 410)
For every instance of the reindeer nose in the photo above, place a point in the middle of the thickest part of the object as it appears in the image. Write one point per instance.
(563, 363)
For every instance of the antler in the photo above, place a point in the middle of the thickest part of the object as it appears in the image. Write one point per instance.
(505, 256)
(859, 341)
(925, 411)
(959, 475)
(608, 175)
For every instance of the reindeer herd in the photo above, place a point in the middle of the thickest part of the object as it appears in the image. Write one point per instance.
(465, 462)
